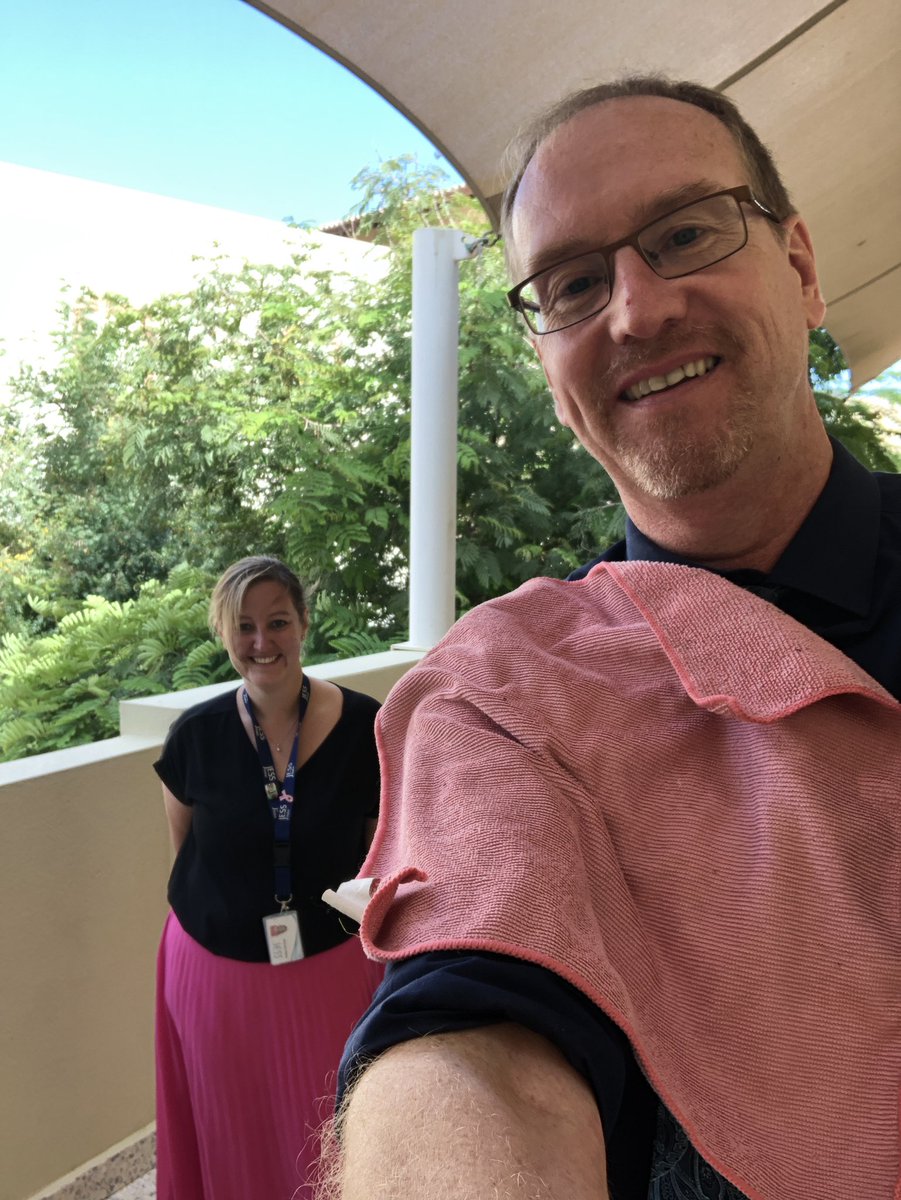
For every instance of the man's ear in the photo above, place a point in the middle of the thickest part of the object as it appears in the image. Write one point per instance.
(558, 407)
(801, 258)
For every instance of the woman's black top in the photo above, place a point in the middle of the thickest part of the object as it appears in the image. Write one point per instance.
(222, 883)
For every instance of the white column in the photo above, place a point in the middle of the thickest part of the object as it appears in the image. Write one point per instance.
(433, 467)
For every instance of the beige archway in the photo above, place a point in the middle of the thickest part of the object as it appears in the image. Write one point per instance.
(820, 82)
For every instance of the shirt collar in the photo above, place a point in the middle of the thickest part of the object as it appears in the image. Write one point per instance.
(833, 554)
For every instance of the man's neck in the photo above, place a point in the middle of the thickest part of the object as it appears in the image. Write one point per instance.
(746, 522)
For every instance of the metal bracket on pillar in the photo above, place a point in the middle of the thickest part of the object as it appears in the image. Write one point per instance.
(433, 434)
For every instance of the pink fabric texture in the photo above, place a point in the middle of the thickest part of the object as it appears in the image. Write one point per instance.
(247, 1055)
(689, 806)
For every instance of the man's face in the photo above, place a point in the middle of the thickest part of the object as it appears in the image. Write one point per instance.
(607, 172)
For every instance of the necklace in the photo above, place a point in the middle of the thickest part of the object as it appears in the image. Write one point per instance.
(278, 748)
(292, 730)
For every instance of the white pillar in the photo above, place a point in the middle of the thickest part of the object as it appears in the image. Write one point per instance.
(433, 435)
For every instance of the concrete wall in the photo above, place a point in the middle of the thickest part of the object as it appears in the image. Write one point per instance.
(84, 859)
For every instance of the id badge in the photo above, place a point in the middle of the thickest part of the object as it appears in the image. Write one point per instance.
(283, 937)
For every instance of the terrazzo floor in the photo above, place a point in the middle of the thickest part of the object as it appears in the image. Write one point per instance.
(141, 1189)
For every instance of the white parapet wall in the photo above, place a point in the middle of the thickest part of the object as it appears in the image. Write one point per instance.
(84, 860)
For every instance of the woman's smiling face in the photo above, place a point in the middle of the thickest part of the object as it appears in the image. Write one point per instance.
(265, 647)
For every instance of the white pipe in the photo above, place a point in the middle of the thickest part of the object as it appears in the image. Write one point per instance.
(433, 435)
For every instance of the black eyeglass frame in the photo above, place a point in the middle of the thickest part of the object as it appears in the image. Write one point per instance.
(741, 194)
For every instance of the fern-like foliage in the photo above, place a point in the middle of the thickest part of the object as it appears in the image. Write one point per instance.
(64, 689)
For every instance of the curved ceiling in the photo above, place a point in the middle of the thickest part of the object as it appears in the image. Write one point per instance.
(821, 83)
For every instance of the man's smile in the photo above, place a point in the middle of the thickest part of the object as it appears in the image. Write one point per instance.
(672, 378)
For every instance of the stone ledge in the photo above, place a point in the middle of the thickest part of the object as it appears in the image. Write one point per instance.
(101, 1177)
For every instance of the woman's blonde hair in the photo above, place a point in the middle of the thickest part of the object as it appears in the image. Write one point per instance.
(231, 587)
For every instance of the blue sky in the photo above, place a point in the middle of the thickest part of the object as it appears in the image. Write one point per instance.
(205, 100)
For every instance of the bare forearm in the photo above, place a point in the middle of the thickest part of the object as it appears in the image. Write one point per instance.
(488, 1114)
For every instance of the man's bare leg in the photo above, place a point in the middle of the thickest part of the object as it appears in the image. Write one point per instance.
(488, 1114)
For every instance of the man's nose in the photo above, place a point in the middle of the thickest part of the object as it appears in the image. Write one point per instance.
(642, 303)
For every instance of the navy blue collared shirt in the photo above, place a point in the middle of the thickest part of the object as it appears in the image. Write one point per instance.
(841, 577)
(841, 573)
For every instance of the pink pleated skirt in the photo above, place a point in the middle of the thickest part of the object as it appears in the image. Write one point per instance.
(246, 1060)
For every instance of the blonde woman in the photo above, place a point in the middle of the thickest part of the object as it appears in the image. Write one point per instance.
(271, 793)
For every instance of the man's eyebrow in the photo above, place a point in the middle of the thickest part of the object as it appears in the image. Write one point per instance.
(646, 213)
(667, 202)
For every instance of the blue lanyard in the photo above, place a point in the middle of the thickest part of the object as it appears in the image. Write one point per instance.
(281, 802)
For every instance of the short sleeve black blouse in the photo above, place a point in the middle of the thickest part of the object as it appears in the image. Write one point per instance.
(222, 882)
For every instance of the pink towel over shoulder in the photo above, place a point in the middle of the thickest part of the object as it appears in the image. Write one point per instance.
(689, 806)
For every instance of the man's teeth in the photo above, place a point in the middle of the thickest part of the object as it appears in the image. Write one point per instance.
(271, 658)
(659, 383)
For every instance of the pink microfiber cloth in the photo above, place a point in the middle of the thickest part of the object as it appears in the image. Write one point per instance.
(675, 797)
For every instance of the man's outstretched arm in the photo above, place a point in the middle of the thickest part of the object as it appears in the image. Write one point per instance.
(495, 1113)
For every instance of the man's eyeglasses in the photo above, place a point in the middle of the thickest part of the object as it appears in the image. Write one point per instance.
(690, 238)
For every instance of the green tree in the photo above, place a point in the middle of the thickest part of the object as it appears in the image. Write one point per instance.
(269, 409)
(64, 688)
(850, 417)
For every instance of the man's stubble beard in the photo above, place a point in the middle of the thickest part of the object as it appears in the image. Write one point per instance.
(674, 458)
(671, 462)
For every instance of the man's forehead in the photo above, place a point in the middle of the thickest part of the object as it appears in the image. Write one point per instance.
(612, 167)
(631, 135)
